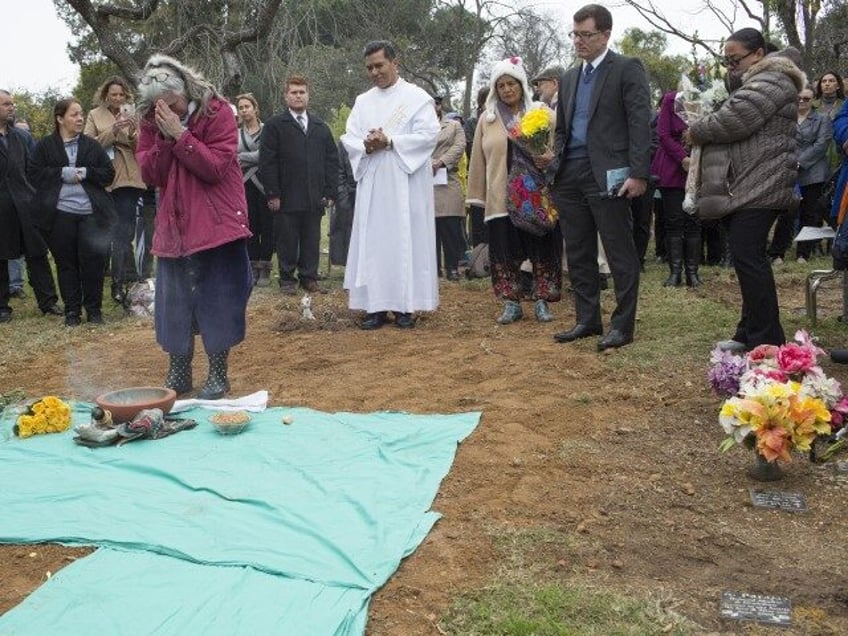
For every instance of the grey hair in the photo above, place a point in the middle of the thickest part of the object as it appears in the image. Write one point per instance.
(163, 74)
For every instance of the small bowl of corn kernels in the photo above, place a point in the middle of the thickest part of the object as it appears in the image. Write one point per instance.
(230, 422)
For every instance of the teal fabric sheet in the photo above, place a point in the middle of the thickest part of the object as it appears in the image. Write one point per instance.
(323, 509)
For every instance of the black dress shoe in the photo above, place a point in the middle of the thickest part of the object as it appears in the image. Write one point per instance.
(613, 340)
(453, 275)
(404, 320)
(578, 332)
(373, 321)
(5, 315)
(17, 293)
(53, 310)
(73, 320)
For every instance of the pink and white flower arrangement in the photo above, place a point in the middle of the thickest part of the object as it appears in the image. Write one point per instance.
(779, 399)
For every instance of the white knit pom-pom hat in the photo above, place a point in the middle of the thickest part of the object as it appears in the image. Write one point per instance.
(514, 67)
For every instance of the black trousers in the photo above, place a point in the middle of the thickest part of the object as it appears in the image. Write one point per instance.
(450, 241)
(641, 208)
(659, 229)
(479, 230)
(747, 236)
(261, 244)
(678, 224)
(123, 233)
(583, 215)
(298, 238)
(811, 214)
(79, 246)
(784, 230)
(40, 279)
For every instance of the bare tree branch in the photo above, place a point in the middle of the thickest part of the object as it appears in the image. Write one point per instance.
(654, 16)
(141, 12)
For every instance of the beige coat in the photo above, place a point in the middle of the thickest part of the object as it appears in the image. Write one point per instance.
(487, 172)
(449, 149)
(127, 172)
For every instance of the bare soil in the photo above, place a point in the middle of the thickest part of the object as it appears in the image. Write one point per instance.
(618, 459)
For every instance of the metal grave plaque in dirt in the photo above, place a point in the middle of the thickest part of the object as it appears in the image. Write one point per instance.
(841, 466)
(791, 501)
(774, 610)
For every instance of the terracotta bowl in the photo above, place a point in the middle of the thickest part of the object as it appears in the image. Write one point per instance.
(125, 404)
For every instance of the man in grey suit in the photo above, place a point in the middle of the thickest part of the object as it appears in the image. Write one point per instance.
(601, 161)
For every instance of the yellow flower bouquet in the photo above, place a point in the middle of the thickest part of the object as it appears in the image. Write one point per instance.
(47, 415)
(532, 131)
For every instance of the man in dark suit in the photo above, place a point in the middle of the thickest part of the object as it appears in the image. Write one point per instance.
(299, 166)
(601, 161)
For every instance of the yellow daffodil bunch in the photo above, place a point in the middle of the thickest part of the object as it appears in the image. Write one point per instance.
(777, 417)
(533, 131)
(47, 415)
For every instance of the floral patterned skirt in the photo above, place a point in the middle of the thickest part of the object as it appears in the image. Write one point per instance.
(509, 247)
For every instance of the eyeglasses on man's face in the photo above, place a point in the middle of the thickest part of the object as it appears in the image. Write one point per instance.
(583, 35)
(733, 62)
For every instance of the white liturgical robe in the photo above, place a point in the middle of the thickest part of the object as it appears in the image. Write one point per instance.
(391, 264)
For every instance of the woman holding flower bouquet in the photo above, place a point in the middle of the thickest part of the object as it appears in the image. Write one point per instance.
(748, 173)
(503, 178)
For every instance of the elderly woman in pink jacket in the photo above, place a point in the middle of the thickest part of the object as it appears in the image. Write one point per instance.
(187, 149)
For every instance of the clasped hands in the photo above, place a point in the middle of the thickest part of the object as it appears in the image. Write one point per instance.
(376, 140)
(167, 120)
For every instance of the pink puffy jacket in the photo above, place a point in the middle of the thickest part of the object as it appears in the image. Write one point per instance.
(201, 194)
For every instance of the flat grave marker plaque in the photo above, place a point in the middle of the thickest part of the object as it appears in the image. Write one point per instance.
(791, 501)
(774, 610)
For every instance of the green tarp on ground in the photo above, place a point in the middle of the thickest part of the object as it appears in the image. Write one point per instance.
(308, 520)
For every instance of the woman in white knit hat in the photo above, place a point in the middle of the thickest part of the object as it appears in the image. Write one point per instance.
(492, 156)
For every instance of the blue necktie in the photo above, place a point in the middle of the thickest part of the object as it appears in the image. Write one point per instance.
(587, 76)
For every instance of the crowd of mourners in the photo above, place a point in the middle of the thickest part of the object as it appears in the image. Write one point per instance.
(165, 177)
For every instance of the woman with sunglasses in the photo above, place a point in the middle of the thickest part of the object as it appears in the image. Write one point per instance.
(187, 148)
(748, 173)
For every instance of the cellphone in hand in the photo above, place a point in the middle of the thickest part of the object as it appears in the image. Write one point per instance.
(127, 110)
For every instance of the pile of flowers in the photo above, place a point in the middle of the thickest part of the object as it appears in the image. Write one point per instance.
(779, 400)
(47, 415)
(532, 131)
(691, 104)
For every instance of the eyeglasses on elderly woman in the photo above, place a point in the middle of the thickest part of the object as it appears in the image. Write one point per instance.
(159, 76)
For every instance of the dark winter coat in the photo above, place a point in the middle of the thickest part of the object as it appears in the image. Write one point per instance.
(667, 164)
(17, 233)
(749, 156)
(45, 174)
(299, 169)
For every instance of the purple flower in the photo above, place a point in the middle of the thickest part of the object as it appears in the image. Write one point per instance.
(725, 372)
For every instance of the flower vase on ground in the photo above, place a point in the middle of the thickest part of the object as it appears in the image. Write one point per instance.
(764, 470)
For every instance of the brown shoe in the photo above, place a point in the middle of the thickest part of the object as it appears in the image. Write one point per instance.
(312, 287)
(288, 288)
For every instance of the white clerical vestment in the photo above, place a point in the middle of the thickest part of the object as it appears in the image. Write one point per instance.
(391, 264)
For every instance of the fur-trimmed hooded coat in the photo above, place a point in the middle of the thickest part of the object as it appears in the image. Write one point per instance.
(749, 156)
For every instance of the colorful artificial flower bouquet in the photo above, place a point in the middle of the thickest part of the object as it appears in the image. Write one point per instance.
(47, 415)
(779, 400)
(533, 131)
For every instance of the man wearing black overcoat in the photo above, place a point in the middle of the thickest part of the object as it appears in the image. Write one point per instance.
(18, 236)
(298, 167)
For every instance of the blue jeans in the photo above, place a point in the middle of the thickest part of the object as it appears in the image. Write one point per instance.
(16, 274)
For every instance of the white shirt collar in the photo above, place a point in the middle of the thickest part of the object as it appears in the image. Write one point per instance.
(296, 115)
(597, 61)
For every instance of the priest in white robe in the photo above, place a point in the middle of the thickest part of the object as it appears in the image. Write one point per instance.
(390, 136)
